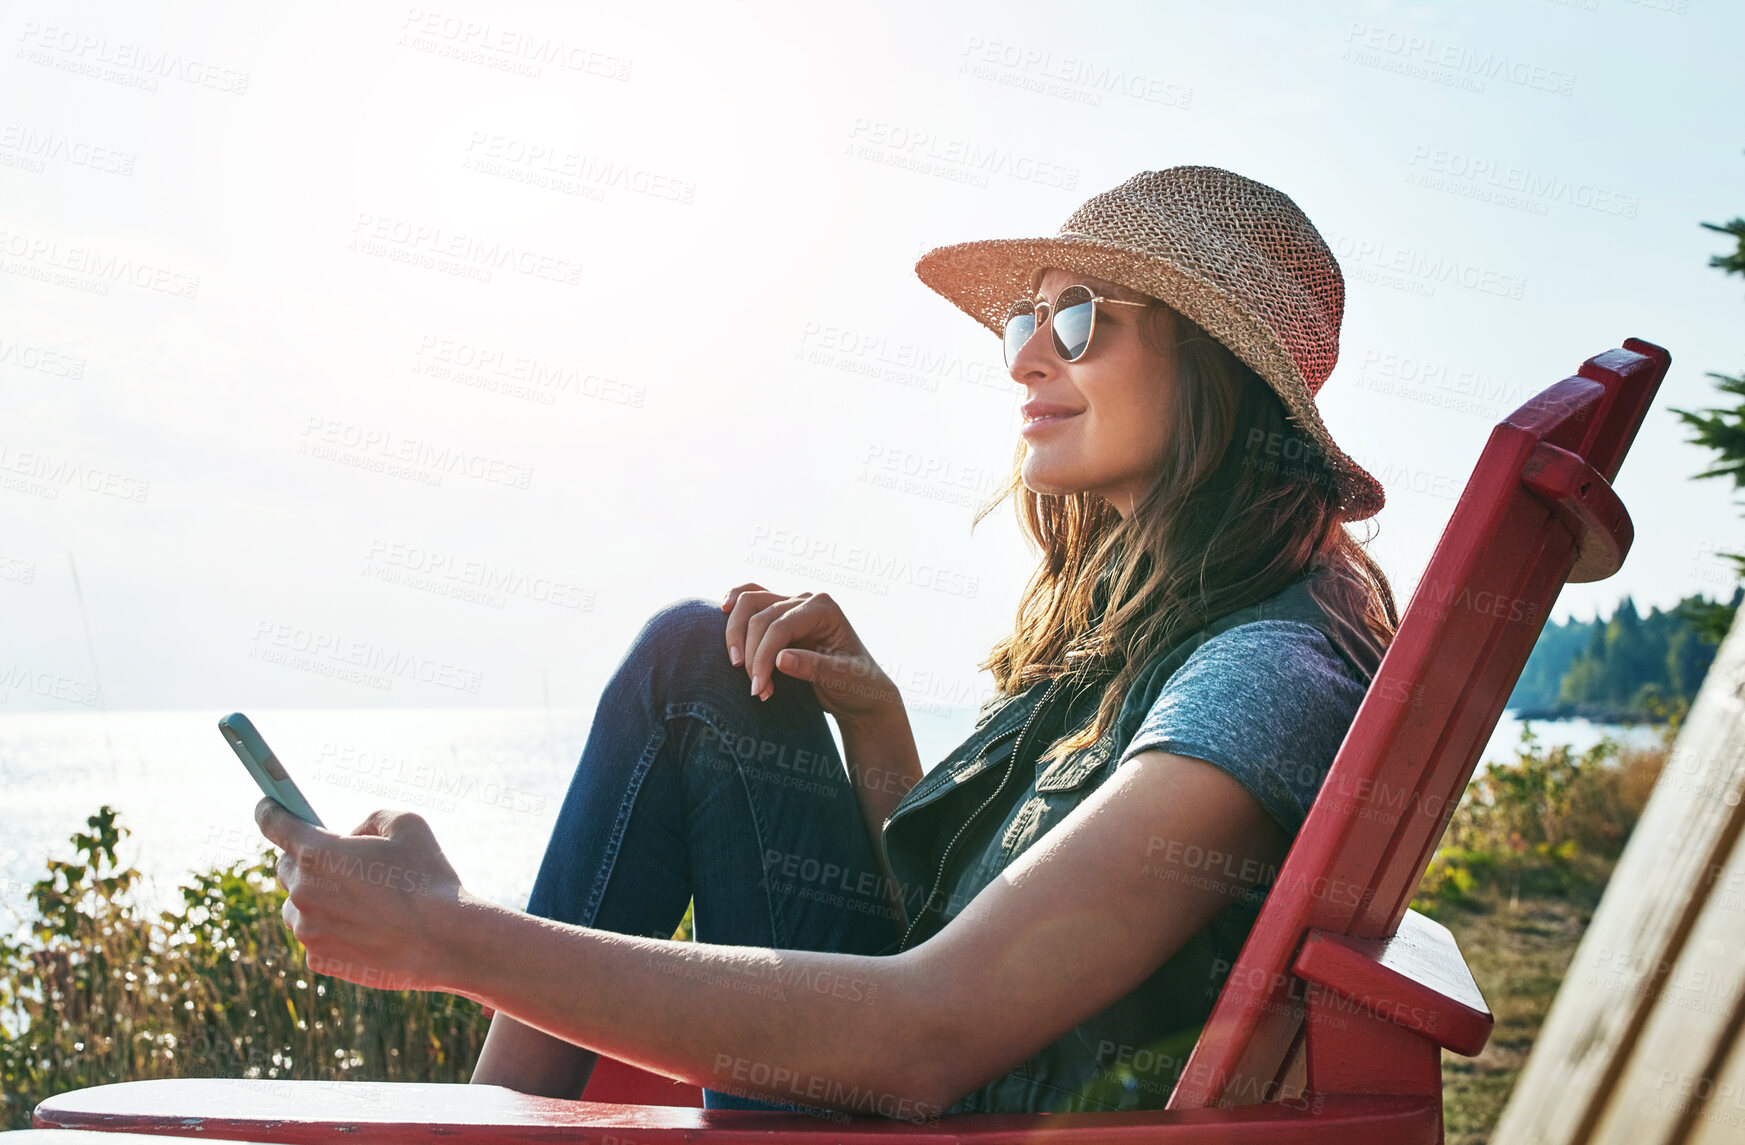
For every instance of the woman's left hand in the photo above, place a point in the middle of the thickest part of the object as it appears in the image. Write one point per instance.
(370, 907)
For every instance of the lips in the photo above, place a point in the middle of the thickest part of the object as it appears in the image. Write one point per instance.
(1043, 416)
(1035, 411)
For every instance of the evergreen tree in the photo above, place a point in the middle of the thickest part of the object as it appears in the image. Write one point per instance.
(1722, 430)
(1710, 619)
(1542, 678)
(1584, 682)
(1628, 666)
(1688, 657)
(1616, 667)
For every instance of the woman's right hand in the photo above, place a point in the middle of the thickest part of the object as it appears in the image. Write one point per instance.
(807, 637)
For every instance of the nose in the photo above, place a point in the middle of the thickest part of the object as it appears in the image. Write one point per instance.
(1035, 358)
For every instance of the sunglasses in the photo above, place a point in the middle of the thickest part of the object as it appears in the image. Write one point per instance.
(1074, 319)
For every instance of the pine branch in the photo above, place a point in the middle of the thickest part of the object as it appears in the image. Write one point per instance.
(1730, 263)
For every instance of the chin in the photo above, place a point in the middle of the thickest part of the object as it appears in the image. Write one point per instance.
(1054, 484)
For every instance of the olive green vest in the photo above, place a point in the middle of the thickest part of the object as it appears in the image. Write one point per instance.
(985, 803)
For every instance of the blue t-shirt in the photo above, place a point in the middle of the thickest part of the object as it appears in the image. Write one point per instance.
(1269, 702)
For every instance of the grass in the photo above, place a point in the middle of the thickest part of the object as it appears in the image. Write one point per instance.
(1518, 954)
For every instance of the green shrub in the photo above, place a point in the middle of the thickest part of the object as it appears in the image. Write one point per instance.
(1552, 822)
(98, 992)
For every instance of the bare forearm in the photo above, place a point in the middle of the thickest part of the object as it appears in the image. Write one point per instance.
(837, 1031)
(532, 1061)
(883, 765)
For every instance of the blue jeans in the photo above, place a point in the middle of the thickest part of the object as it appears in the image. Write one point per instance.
(690, 788)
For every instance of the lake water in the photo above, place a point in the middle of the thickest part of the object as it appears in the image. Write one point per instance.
(489, 782)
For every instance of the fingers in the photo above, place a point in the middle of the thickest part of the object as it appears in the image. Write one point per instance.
(733, 594)
(383, 822)
(853, 682)
(288, 875)
(745, 602)
(291, 915)
(773, 629)
(735, 605)
(266, 818)
(282, 828)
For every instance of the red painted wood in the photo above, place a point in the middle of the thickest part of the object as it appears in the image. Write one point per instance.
(1415, 979)
(1586, 505)
(625, 1084)
(380, 1113)
(1462, 642)
(93, 1137)
(1349, 1050)
(1633, 383)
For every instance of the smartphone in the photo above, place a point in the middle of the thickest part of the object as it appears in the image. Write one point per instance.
(274, 780)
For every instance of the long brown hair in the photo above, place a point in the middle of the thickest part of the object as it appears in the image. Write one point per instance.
(1230, 522)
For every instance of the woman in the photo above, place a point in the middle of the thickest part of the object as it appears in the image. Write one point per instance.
(1043, 921)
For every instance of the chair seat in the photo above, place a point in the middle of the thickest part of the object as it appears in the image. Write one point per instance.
(390, 1113)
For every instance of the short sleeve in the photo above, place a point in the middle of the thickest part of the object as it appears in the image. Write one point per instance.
(1269, 702)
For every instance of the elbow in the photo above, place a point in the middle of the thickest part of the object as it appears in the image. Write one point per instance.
(933, 1055)
(923, 1088)
(928, 1092)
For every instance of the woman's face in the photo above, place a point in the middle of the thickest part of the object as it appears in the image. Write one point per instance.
(1122, 395)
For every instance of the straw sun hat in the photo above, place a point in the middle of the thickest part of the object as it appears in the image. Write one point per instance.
(1236, 256)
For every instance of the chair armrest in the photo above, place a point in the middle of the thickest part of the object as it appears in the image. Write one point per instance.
(403, 1113)
(624, 1084)
(93, 1137)
(1416, 979)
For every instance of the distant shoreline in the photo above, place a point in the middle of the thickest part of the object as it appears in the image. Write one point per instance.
(1595, 713)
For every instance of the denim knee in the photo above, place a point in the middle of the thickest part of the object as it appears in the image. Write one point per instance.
(692, 629)
(681, 642)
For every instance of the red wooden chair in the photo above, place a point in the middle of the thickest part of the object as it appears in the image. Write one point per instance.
(1331, 1025)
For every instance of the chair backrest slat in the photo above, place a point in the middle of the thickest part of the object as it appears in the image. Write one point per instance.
(1461, 645)
(1525, 603)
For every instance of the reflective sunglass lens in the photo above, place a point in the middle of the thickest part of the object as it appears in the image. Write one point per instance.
(1019, 327)
(1071, 323)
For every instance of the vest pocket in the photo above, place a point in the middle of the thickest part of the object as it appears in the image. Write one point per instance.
(1057, 789)
(968, 760)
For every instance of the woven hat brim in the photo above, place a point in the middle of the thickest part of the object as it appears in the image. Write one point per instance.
(984, 277)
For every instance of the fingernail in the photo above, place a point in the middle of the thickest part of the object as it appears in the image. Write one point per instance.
(733, 655)
(754, 685)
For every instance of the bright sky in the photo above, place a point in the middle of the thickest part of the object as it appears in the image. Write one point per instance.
(249, 304)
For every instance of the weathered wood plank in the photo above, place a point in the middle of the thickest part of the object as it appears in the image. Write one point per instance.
(1692, 1025)
(1604, 1016)
(1718, 1116)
